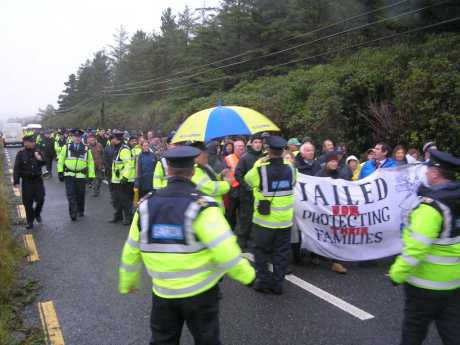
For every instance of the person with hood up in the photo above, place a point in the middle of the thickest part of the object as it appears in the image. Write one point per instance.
(353, 163)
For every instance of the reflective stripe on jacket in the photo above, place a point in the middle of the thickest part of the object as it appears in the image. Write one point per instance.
(160, 178)
(76, 164)
(123, 166)
(211, 187)
(431, 254)
(280, 193)
(187, 267)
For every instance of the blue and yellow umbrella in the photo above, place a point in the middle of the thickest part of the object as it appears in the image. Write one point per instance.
(222, 121)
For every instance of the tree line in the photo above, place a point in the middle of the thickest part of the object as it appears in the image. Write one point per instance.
(289, 59)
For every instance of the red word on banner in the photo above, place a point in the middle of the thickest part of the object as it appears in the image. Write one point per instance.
(345, 210)
(350, 231)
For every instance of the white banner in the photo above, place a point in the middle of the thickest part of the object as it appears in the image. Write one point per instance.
(359, 220)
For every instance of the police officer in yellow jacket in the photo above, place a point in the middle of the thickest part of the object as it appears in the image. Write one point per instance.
(186, 246)
(207, 180)
(272, 180)
(123, 177)
(429, 266)
(75, 166)
(160, 178)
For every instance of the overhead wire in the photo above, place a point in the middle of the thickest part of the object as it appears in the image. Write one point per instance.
(254, 50)
(356, 28)
(78, 105)
(333, 51)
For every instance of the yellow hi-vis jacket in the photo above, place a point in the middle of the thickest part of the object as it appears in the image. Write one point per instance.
(282, 200)
(431, 256)
(215, 189)
(123, 166)
(184, 270)
(81, 166)
(160, 178)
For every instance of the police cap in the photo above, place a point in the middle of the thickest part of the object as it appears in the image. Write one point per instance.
(276, 143)
(199, 145)
(118, 135)
(443, 160)
(182, 156)
(29, 138)
(76, 132)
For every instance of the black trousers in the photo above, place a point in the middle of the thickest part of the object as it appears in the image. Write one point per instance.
(75, 190)
(231, 213)
(246, 208)
(49, 164)
(200, 313)
(425, 306)
(33, 191)
(271, 245)
(123, 195)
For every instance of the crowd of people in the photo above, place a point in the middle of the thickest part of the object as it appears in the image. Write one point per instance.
(132, 164)
(209, 201)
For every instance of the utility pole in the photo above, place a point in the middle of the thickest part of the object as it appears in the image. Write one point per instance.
(102, 117)
(203, 11)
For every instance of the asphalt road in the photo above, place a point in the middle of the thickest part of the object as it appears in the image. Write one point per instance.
(78, 271)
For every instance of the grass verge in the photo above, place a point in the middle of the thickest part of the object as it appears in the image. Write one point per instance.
(15, 293)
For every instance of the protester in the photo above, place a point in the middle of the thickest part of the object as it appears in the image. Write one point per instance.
(247, 161)
(399, 155)
(331, 169)
(328, 146)
(431, 145)
(46, 147)
(353, 163)
(344, 169)
(381, 160)
(306, 164)
(233, 197)
(228, 148)
(145, 164)
(367, 156)
(216, 161)
(413, 152)
(293, 146)
(98, 156)
(305, 161)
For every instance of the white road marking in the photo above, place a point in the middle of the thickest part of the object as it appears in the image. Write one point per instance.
(324, 295)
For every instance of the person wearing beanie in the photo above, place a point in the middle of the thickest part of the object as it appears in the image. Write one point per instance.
(331, 169)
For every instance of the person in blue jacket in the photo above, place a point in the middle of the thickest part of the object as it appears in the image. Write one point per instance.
(382, 152)
(145, 165)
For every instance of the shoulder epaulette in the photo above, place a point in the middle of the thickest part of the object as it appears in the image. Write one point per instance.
(426, 200)
(145, 197)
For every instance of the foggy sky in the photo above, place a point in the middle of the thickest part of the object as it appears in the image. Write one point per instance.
(43, 41)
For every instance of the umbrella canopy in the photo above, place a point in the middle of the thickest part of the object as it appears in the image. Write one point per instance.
(223, 121)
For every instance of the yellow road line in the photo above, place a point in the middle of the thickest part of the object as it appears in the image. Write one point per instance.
(50, 323)
(21, 211)
(29, 243)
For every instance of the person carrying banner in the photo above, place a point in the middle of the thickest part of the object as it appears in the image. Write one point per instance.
(429, 266)
(272, 181)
